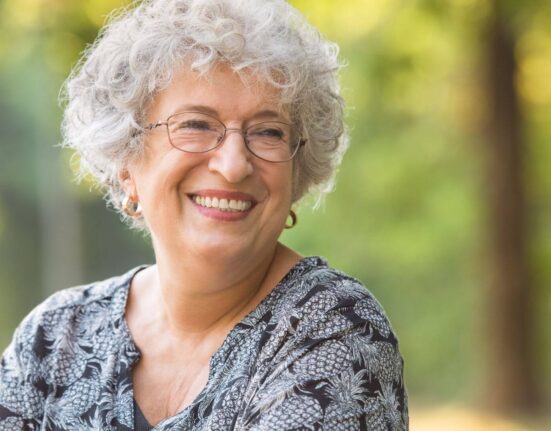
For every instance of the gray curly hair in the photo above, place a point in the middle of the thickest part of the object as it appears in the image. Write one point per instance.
(107, 95)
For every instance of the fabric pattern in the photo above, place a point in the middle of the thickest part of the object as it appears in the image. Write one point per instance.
(318, 353)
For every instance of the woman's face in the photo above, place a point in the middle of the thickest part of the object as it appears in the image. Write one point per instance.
(167, 181)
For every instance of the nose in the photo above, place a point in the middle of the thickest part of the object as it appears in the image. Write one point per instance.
(231, 159)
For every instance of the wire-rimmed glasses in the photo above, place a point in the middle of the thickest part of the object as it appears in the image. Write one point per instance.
(197, 132)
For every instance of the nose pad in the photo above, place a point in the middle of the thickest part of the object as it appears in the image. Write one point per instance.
(232, 159)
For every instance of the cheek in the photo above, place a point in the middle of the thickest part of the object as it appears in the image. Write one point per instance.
(281, 190)
(287, 184)
(168, 173)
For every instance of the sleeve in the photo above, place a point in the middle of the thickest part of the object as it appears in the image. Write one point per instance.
(346, 374)
(22, 392)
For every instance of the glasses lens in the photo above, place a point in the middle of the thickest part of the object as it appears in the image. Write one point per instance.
(194, 132)
(271, 141)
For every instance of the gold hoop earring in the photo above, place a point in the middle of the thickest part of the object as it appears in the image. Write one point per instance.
(293, 220)
(131, 208)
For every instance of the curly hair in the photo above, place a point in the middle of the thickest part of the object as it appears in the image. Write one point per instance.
(107, 95)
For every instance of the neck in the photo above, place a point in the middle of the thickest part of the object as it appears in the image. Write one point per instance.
(195, 298)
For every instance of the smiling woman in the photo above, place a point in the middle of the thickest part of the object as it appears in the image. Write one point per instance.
(207, 121)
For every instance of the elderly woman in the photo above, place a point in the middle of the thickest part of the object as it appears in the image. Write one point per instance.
(207, 121)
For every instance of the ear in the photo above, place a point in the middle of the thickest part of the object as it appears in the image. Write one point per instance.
(127, 183)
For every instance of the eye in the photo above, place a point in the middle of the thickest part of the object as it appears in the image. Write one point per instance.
(194, 125)
(268, 132)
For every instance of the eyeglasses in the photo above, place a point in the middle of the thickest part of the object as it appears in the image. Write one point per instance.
(197, 132)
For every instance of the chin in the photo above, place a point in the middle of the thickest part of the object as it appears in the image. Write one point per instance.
(220, 247)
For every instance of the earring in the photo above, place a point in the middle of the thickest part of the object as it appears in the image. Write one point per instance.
(293, 220)
(131, 208)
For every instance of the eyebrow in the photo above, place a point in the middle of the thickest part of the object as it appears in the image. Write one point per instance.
(265, 113)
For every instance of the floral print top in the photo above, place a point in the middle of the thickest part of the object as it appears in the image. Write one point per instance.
(318, 353)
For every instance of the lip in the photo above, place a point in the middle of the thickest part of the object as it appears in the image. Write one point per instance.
(215, 213)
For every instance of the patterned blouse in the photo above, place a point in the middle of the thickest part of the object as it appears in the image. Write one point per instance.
(318, 353)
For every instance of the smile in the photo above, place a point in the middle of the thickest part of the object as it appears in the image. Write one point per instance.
(226, 205)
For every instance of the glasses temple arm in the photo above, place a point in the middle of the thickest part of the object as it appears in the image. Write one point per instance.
(152, 126)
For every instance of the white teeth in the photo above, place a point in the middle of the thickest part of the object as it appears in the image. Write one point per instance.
(232, 205)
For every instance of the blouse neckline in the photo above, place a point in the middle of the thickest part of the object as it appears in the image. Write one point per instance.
(130, 349)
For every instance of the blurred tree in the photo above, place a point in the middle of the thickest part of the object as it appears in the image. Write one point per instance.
(512, 381)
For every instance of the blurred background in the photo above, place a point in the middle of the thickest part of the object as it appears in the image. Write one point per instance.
(442, 206)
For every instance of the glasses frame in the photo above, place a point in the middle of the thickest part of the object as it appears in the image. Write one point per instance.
(243, 133)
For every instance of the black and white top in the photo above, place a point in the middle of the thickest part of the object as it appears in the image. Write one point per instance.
(318, 353)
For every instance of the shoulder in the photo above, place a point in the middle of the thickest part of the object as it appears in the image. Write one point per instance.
(78, 298)
(48, 348)
(324, 313)
(66, 310)
(331, 355)
(322, 294)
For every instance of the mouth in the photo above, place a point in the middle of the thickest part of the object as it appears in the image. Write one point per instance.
(222, 204)
(223, 201)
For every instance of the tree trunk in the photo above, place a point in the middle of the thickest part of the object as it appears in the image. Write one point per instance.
(511, 385)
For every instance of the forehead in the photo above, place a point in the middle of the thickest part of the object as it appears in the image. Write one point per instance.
(223, 92)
